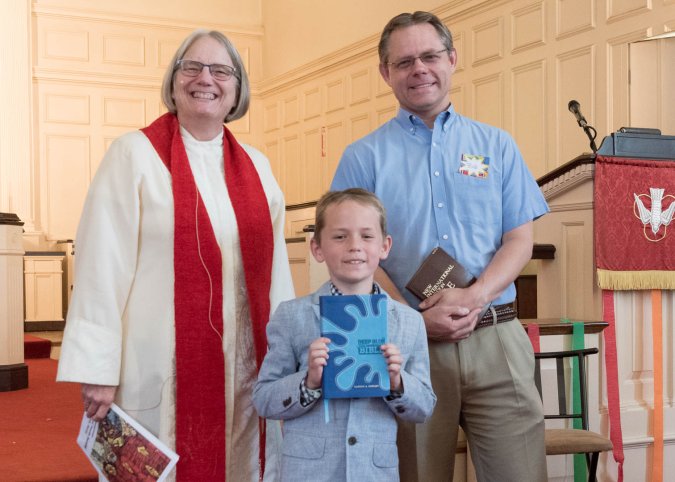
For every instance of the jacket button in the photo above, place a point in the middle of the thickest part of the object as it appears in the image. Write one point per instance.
(351, 440)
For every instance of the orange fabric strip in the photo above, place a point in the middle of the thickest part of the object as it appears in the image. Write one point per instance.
(657, 424)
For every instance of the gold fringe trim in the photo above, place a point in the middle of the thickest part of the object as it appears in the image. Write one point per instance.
(636, 280)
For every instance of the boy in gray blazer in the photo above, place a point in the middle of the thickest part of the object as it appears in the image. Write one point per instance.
(359, 441)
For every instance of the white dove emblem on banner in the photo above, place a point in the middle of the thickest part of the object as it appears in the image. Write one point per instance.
(656, 216)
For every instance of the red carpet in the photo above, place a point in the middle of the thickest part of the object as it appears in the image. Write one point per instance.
(35, 347)
(38, 428)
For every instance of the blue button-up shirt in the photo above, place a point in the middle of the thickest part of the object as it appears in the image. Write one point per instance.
(460, 186)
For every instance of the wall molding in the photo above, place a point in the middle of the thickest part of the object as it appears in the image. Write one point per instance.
(333, 62)
(95, 15)
(75, 77)
(339, 59)
(572, 207)
(645, 442)
(615, 16)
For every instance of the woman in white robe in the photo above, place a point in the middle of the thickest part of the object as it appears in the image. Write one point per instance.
(120, 340)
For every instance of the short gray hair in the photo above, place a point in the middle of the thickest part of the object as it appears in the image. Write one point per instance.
(408, 20)
(243, 89)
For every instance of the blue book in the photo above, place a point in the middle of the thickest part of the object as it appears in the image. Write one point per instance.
(357, 327)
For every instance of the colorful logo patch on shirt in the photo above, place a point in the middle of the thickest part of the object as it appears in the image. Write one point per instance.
(474, 165)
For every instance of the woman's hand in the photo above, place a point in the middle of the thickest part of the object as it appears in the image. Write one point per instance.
(317, 358)
(394, 361)
(97, 400)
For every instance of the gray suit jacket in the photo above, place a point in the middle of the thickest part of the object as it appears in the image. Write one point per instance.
(359, 442)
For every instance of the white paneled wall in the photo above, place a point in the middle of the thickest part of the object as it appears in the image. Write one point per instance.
(520, 63)
(95, 77)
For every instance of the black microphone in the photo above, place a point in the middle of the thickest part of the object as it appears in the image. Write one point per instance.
(573, 107)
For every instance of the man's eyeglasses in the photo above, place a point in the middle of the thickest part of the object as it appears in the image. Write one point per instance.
(192, 68)
(427, 58)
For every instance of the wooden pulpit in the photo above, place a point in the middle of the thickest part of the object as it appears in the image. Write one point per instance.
(567, 287)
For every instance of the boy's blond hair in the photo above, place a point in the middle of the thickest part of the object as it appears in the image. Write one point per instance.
(358, 195)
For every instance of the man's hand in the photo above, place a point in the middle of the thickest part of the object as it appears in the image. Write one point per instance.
(97, 400)
(450, 314)
(317, 358)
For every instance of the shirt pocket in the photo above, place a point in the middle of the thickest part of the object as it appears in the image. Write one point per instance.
(385, 455)
(477, 200)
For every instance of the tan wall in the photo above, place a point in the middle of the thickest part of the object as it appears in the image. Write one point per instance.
(520, 63)
(16, 177)
(237, 13)
(652, 99)
(95, 75)
(299, 32)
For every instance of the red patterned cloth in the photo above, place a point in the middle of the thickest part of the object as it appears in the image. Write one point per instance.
(634, 223)
(634, 211)
(200, 364)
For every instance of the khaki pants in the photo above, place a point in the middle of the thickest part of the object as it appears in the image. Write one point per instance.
(485, 384)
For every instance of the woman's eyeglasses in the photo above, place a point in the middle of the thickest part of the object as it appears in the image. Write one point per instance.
(192, 68)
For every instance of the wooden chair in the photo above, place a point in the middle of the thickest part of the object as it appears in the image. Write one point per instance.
(569, 440)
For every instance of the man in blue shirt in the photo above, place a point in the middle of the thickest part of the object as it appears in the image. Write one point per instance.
(452, 182)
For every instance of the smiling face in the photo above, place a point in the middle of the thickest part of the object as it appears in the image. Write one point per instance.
(352, 245)
(421, 89)
(202, 102)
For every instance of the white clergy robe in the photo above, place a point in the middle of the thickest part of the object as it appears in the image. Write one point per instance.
(120, 324)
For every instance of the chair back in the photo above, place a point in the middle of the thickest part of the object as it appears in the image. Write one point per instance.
(566, 363)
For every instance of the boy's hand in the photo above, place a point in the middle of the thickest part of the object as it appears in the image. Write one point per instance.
(394, 360)
(317, 358)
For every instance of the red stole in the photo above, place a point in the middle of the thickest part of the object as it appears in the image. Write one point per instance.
(200, 364)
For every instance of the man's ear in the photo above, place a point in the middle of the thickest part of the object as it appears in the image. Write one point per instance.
(452, 56)
(384, 72)
(315, 248)
(386, 247)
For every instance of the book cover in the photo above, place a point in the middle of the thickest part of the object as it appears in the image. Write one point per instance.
(121, 449)
(357, 327)
(439, 270)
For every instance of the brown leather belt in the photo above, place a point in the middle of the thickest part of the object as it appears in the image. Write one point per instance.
(497, 314)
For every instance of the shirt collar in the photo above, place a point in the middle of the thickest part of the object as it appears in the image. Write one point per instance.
(335, 291)
(411, 122)
(189, 138)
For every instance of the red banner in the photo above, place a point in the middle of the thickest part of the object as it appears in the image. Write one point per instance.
(634, 223)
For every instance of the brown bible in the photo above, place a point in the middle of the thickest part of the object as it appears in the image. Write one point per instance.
(439, 270)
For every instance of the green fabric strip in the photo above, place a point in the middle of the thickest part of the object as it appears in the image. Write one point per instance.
(577, 344)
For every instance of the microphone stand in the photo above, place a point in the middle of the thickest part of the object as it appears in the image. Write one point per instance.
(592, 134)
